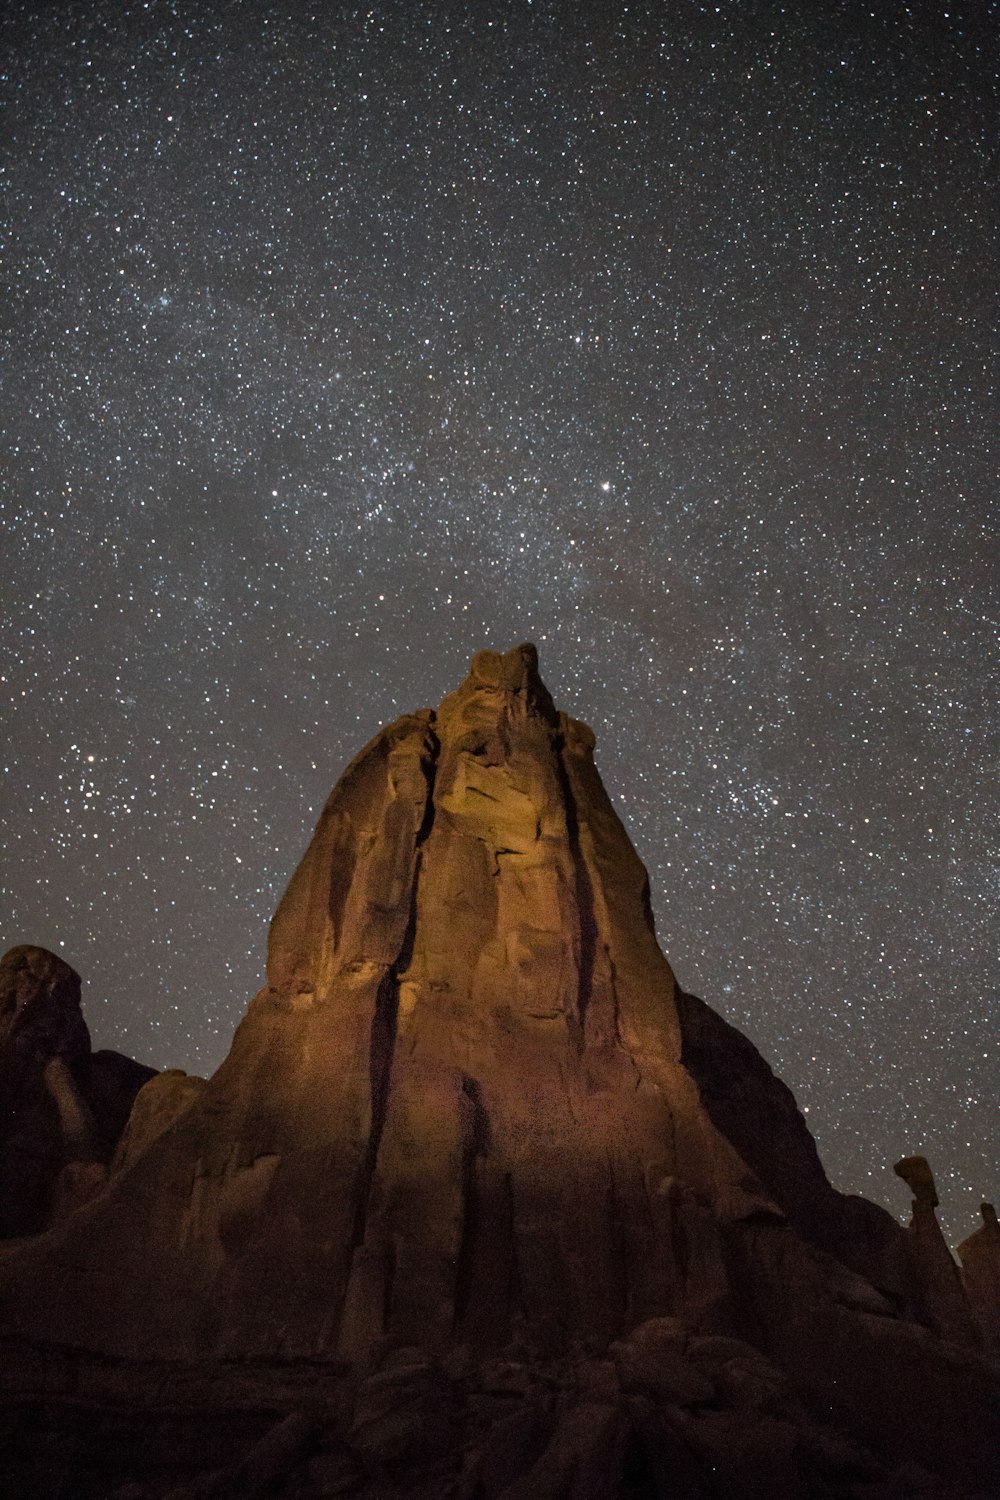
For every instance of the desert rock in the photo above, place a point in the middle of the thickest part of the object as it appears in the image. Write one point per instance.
(62, 1108)
(980, 1258)
(534, 1220)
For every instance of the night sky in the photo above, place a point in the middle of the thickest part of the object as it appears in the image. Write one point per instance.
(342, 341)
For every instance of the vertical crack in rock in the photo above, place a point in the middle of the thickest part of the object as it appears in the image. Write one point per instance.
(381, 1048)
(616, 1017)
(616, 1009)
(383, 1032)
(475, 1146)
(429, 766)
(587, 921)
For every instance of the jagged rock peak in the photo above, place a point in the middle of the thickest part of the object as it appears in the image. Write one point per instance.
(40, 1004)
(513, 674)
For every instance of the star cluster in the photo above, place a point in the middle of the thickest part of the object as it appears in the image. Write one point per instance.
(345, 340)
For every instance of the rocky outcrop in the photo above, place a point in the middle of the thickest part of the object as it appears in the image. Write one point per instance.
(942, 1295)
(470, 1125)
(62, 1107)
(158, 1105)
(980, 1258)
(113, 1083)
(758, 1114)
(40, 1014)
(665, 1412)
(457, 1110)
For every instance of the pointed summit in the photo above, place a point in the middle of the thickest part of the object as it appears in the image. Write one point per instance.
(457, 1109)
(514, 674)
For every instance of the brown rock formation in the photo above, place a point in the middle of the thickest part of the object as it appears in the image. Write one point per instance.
(158, 1104)
(980, 1257)
(942, 1297)
(471, 1139)
(457, 1110)
(757, 1112)
(62, 1108)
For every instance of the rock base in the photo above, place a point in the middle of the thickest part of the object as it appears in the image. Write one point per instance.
(666, 1412)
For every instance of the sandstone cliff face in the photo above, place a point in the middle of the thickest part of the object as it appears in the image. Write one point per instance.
(471, 1111)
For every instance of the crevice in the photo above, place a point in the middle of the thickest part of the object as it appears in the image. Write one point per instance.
(428, 764)
(380, 1053)
(616, 1016)
(615, 1001)
(475, 1146)
(477, 791)
(587, 921)
(382, 1044)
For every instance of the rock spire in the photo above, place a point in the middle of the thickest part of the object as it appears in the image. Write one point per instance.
(471, 1112)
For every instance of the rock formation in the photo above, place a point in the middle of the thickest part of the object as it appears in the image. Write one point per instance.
(942, 1298)
(980, 1257)
(62, 1107)
(533, 1222)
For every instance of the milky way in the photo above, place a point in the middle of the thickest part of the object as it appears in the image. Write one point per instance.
(342, 343)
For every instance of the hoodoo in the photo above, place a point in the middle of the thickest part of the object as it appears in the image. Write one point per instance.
(471, 1125)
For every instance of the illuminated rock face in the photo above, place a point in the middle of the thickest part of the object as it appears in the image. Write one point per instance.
(472, 1111)
(520, 1147)
(457, 1110)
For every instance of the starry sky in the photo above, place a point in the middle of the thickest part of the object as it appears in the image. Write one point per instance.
(344, 340)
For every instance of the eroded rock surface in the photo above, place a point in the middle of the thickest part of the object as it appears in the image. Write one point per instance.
(457, 1110)
(942, 1296)
(471, 1124)
(160, 1103)
(980, 1258)
(667, 1412)
(62, 1107)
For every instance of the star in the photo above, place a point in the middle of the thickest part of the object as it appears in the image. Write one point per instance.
(661, 341)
